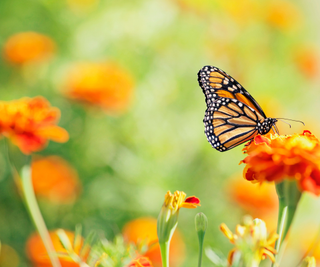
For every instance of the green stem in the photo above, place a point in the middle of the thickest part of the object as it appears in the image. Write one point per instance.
(35, 214)
(282, 216)
(201, 237)
(289, 196)
(164, 248)
(292, 195)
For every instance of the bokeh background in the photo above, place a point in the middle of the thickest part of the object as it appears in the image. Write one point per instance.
(124, 75)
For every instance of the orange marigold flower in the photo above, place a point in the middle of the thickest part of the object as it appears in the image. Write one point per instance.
(283, 15)
(102, 84)
(259, 200)
(55, 179)
(30, 122)
(307, 59)
(39, 257)
(26, 47)
(145, 230)
(273, 158)
(141, 262)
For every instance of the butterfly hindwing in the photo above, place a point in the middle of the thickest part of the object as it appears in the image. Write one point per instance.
(215, 84)
(229, 122)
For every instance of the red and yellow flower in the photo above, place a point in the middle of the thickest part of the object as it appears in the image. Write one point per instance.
(102, 84)
(30, 122)
(274, 158)
(39, 257)
(141, 262)
(55, 179)
(27, 47)
(251, 242)
(145, 230)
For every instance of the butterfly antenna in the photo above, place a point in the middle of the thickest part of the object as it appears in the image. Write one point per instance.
(290, 120)
(285, 122)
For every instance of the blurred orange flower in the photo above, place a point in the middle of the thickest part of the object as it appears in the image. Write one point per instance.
(283, 15)
(8, 256)
(38, 255)
(273, 158)
(145, 229)
(307, 60)
(30, 122)
(102, 84)
(242, 12)
(55, 179)
(26, 47)
(259, 200)
(141, 262)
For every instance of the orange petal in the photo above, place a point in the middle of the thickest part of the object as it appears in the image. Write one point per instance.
(54, 133)
(261, 139)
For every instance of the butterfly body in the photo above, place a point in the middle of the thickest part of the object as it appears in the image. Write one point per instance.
(232, 116)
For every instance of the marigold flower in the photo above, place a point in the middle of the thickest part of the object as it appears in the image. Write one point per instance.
(141, 262)
(30, 122)
(145, 230)
(251, 241)
(307, 59)
(26, 47)
(101, 84)
(283, 15)
(55, 179)
(168, 217)
(38, 255)
(273, 158)
(8, 256)
(259, 200)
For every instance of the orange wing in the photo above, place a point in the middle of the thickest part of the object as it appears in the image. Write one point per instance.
(230, 122)
(215, 84)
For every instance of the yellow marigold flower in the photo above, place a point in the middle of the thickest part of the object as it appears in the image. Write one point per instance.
(39, 257)
(101, 84)
(168, 217)
(30, 122)
(273, 158)
(55, 179)
(251, 242)
(26, 47)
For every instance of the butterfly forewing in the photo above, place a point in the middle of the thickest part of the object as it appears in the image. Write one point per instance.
(215, 84)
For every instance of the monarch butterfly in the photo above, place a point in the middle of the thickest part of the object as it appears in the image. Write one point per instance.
(232, 116)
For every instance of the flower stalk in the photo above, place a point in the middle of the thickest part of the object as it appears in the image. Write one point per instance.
(201, 223)
(35, 214)
(168, 219)
(289, 196)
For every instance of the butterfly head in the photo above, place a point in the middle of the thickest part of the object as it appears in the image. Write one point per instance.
(265, 126)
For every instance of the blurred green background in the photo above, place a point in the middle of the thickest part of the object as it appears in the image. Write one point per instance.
(127, 162)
